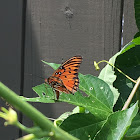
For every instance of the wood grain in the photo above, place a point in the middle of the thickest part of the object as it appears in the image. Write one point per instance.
(130, 28)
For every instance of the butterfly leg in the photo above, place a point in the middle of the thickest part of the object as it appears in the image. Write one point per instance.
(57, 94)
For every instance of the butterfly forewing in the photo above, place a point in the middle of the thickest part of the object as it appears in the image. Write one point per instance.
(65, 78)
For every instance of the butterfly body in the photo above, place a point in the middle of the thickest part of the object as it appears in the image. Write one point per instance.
(65, 78)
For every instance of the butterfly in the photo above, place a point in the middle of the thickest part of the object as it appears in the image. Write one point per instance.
(65, 78)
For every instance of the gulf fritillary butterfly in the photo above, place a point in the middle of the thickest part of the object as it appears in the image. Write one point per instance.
(65, 78)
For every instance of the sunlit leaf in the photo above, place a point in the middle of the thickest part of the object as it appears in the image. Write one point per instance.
(99, 99)
(45, 93)
(97, 89)
(117, 124)
(108, 75)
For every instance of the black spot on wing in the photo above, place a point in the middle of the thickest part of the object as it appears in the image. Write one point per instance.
(76, 74)
(75, 69)
(73, 64)
(74, 77)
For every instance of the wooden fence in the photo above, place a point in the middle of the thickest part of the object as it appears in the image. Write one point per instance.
(52, 30)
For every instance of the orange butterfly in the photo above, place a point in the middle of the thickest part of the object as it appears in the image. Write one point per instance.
(65, 78)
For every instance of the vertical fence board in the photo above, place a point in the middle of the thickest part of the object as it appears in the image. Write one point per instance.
(130, 28)
(10, 53)
(92, 29)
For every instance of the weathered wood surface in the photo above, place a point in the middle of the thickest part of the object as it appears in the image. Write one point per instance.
(10, 54)
(130, 28)
(57, 30)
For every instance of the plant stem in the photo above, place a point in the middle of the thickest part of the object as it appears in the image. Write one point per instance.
(131, 95)
(37, 131)
(132, 137)
(26, 129)
(33, 114)
(118, 70)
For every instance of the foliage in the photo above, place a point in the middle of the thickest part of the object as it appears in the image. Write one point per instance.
(98, 113)
(101, 96)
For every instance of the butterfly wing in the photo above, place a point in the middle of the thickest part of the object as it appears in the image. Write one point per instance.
(65, 78)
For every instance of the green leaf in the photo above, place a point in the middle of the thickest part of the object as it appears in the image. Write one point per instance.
(87, 102)
(107, 75)
(134, 130)
(130, 45)
(129, 63)
(65, 115)
(99, 100)
(45, 93)
(59, 120)
(42, 89)
(53, 65)
(79, 109)
(97, 89)
(117, 124)
(82, 126)
(137, 13)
